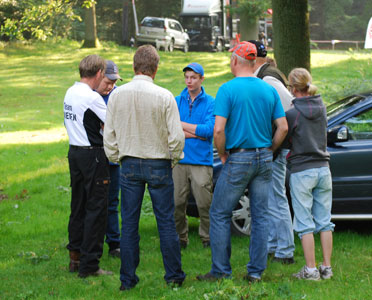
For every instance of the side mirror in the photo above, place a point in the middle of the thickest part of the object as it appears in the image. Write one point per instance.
(338, 134)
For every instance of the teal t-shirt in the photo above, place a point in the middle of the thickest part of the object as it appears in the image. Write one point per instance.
(250, 105)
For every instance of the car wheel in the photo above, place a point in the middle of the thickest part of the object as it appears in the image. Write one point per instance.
(241, 217)
(186, 48)
(171, 46)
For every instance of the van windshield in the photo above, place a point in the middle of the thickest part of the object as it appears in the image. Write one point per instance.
(153, 23)
(196, 22)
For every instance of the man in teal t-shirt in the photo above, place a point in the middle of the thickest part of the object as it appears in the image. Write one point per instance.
(245, 109)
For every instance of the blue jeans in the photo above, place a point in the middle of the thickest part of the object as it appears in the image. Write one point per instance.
(112, 230)
(281, 238)
(252, 169)
(311, 192)
(157, 174)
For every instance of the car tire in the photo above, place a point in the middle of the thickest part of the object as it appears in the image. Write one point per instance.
(171, 46)
(241, 217)
(186, 48)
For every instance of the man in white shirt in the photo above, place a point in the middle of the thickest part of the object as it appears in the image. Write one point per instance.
(143, 131)
(84, 116)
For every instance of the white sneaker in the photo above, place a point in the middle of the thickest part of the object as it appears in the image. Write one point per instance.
(325, 272)
(305, 274)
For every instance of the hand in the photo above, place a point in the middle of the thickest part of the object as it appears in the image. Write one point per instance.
(224, 157)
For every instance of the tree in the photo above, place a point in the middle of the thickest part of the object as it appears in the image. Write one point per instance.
(291, 34)
(91, 39)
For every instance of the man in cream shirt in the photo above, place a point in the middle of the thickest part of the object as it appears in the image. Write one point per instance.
(143, 131)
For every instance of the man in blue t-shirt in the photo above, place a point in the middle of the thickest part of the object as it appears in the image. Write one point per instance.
(194, 172)
(245, 109)
(105, 88)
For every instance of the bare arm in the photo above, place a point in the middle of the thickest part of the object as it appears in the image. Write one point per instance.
(220, 138)
(280, 133)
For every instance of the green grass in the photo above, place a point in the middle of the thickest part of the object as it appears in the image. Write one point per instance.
(35, 194)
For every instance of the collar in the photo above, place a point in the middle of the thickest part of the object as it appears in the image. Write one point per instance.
(143, 77)
(258, 70)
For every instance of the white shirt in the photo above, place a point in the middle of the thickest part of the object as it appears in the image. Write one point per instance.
(143, 121)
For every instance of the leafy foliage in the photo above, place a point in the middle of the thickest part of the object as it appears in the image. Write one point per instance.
(250, 8)
(39, 20)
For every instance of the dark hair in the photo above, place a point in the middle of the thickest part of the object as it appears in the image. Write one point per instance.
(90, 65)
(146, 60)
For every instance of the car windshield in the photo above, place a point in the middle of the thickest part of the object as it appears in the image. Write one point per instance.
(149, 22)
(339, 106)
(195, 22)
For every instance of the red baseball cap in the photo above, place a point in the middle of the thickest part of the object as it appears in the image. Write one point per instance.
(245, 50)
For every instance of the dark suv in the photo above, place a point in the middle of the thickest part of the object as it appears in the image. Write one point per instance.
(350, 146)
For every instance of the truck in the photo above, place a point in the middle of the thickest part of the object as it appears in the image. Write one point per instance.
(208, 24)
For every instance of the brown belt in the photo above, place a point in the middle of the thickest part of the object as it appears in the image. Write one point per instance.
(239, 150)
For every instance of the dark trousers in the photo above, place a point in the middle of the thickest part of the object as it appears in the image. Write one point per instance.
(89, 172)
(112, 231)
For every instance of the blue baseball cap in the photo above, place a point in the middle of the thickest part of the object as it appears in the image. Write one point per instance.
(197, 68)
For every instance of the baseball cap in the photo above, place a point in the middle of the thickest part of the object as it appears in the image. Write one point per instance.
(112, 71)
(197, 68)
(261, 49)
(245, 50)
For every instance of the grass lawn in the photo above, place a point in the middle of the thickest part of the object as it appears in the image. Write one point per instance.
(35, 193)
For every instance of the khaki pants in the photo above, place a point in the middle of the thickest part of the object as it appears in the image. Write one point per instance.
(199, 181)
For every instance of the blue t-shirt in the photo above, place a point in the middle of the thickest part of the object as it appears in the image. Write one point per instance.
(250, 105)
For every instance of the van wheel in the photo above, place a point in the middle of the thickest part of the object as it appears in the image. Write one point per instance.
(171, 46)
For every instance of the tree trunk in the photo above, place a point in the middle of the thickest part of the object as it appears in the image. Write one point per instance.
(125, 23)
(248, 29)
(91, 40)
(291, 34)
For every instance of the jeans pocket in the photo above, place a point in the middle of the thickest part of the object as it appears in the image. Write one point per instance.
(160, 176)
(237, 171)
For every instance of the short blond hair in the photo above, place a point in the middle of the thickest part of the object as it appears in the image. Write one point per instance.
(300, 79)
(146, 60)
(90, 65)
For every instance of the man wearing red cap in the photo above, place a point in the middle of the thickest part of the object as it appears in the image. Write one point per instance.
(245, 108)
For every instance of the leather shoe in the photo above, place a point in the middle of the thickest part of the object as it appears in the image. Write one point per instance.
(210, 277)
(96, 273)
(284, 260)
(114, 252)
(206, 244)
(123, 288)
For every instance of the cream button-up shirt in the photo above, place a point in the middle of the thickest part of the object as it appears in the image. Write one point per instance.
(142, 120)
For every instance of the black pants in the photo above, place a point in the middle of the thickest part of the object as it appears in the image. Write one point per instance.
(89, 171)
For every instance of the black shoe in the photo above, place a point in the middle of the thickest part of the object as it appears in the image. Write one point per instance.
(206, 244)
(96, 273)
(252, 279)
(123, 288)
(183, 244)
(210, 277)
(174, 283)
(114, 252)
(284, 260)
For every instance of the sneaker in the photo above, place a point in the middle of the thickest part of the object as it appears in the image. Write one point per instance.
(206, 244)
(284, 260)
(251, 279)
(210, 277)
(114, 252)
(183, 244)
(325, 272)
(304, 274)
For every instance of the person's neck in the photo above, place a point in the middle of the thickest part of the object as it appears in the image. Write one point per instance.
(89, 81)
(259, 62)
(193, 94)
(245, 72)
